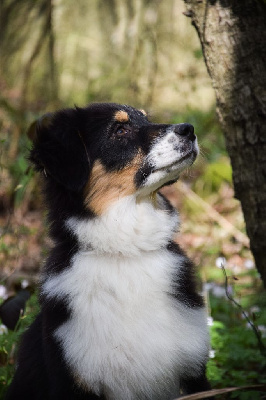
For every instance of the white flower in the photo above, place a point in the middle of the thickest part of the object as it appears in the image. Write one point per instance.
(24, 283)
(218, 291)
(212, 353)
(262, 330)
(209, 321)
(207, 286)
(3, 329)
(255, 309)
(3, 292)
(249, 264)
(220, 262)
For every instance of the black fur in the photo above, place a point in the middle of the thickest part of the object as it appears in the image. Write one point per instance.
(185, 283)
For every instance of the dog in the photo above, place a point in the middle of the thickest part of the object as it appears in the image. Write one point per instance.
(120, 317)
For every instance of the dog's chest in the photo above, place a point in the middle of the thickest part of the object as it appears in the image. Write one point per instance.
(125, 332)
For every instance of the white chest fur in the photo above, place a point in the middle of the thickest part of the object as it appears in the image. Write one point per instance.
(127, 336)
(127, 228)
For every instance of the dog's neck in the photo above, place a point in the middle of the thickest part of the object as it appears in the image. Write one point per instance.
(129, 226)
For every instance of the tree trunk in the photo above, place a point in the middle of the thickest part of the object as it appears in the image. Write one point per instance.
(233, 39)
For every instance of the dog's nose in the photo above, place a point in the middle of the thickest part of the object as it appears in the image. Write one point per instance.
(185, 130)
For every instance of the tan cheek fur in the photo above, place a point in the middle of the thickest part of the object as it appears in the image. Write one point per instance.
(105, 187)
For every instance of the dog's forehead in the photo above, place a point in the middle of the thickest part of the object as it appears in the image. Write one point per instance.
(120, 113)
(127, 114)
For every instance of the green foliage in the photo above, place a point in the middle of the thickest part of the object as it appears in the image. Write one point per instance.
(9, 343)
(22, 176)
(238, 360)
(214, 175)
(2, 143)
(20, 172)
(198, 53)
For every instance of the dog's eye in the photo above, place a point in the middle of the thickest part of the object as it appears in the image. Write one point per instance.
(122, 131)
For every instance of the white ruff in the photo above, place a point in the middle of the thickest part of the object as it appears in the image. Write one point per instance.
(126, 336)
(127, 228)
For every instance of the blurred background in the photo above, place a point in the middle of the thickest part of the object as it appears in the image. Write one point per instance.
(60, 53)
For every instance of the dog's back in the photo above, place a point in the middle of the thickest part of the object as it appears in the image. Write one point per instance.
(120, 316)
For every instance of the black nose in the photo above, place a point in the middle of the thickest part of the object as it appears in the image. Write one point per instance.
(185, 130)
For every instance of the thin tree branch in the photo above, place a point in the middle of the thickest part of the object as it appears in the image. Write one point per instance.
(253, 326)
(215, 392)
(214, 215)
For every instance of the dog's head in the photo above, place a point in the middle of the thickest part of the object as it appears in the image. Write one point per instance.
(107, 151)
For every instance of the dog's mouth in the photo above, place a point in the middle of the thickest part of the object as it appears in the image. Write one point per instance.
(189, 156)
(168, 169)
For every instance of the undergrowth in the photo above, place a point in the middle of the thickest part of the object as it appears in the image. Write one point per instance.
(9, 341)
(236, 359)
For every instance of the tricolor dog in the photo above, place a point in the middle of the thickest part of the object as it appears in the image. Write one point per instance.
(120, 315)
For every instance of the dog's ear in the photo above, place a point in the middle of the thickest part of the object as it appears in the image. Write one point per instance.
(59, 149)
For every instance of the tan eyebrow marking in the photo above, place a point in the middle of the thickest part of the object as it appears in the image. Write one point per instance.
(143, 112)
(121, 116)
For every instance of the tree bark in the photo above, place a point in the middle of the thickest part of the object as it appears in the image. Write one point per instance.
(233, 37)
